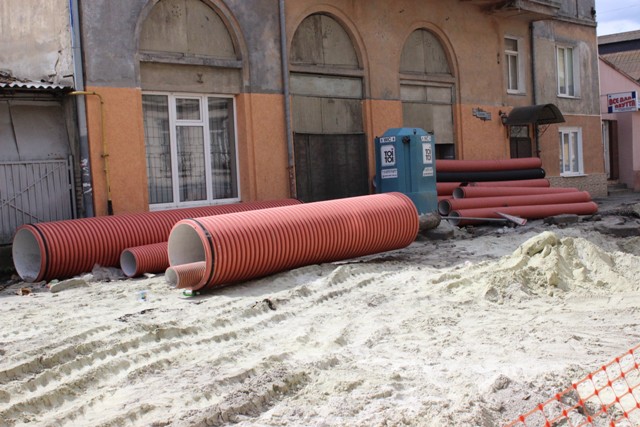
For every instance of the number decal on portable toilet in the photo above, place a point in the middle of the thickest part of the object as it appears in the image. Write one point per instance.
(387, 155)
(427, 154)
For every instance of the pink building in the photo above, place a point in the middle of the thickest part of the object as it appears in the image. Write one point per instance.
(619, 91)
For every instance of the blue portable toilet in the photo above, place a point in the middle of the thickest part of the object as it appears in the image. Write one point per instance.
(405, 162)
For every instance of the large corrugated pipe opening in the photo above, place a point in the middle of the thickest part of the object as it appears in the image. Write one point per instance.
(248, 245)
(28, 253)
(185, 245)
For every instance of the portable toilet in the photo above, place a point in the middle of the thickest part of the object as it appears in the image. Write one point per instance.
(405, 162)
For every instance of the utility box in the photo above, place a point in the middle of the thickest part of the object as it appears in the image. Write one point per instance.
(405, 162)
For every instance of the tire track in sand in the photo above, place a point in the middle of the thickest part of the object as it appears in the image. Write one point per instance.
(78, 378)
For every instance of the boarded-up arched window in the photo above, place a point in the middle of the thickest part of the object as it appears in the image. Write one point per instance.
(427, 88)
(186, 26)
(327, 90)
(423, 54)
(186, 46)
(321, 41)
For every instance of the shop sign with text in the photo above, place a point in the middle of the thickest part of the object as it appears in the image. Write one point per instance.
(622, 102)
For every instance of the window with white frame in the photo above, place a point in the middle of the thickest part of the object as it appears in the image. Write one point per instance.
(514, 64)
(571, 162)
(567, 77)
(190, 149)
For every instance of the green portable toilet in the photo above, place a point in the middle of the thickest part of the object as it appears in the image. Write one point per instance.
(405, 162)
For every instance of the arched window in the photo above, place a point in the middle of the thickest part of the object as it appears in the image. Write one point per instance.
(327, 90)
(427, 89)
(189, 71)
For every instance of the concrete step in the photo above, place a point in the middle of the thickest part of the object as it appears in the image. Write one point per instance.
(618, 188)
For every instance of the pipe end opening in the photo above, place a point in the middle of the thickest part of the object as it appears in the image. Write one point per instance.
(128, 263)
(454, 218)
(444, 207)
(27, 255)
(185, 245)
(171, 277)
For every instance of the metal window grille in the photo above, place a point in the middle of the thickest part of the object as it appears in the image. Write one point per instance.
(191, 150)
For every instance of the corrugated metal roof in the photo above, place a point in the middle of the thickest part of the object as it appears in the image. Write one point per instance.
(33, 85)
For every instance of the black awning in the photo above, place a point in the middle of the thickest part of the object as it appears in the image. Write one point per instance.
(542, 114)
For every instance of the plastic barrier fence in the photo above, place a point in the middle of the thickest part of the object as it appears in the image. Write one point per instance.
(607, 397)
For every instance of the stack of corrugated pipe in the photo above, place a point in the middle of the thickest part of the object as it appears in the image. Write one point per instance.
(213, 251)
(472, 190)
(62, 249)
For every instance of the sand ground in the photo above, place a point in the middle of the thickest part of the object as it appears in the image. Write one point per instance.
(469, 331)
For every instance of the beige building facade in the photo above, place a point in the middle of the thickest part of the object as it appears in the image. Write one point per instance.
(193, 102)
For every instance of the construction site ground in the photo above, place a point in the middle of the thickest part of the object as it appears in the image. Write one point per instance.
(464, 327)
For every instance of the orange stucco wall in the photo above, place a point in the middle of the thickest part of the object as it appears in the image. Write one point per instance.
(379, 115)
(123, 140)
(262, 147)
(592, 153)
(482, 139)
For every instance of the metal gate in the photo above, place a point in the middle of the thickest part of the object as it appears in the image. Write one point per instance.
(35, 191)
(330, 166)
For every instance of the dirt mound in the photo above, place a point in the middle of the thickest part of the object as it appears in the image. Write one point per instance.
(548, 264)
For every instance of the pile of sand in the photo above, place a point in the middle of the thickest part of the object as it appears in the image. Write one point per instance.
(548, 264)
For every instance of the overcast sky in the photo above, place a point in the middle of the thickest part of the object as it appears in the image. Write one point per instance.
(617, 16)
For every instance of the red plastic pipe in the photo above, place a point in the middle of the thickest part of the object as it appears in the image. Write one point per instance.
(446, 165)
(529, 212)
(186, 275)
(61, 249)
(469, 192)
(539, 182)
(144, 259)
(248, 245)
(446, 206)
(446, 188)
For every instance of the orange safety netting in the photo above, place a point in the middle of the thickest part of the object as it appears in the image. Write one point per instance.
(607, 397)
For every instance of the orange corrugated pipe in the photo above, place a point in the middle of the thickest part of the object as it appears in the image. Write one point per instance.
(144, 259)
(248, 245)
(529, 212)
(447, 165)
(186, 275)
(61, 249)
(446, 206)
(469, 192)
